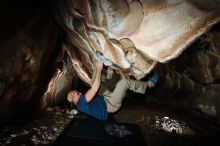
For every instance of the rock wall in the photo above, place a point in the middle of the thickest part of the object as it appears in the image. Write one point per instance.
(192, 81)
(29, 36)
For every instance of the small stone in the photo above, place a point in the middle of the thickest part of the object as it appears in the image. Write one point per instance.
(55, 129)
(24, 132)
(14, 135)
(49, 138)
(71, 117)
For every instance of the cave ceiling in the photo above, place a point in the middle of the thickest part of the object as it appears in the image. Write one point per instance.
(131, 36)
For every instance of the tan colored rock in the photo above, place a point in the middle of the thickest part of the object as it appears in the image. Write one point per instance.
(132, 35)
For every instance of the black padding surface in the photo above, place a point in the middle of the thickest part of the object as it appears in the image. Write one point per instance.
(100, 133)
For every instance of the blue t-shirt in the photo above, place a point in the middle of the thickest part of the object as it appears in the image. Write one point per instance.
(96, 108)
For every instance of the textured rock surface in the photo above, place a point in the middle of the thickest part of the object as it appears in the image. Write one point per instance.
(43, 44)
(193, 79)
(133, 35)
(27, 55)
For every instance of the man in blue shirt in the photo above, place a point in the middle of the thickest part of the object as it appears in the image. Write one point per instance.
(99, 106)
